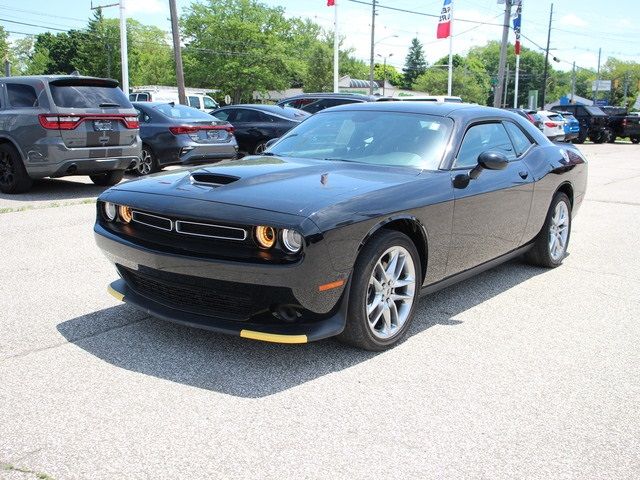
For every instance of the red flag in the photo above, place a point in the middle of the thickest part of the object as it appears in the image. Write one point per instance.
(444, 24)
(331, 3)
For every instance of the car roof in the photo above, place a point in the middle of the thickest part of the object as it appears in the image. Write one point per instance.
(56, 77)
(345, 95)
(427, 108)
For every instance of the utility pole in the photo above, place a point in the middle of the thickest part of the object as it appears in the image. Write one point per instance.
(573, 82)
(373, 45)
(497, 94)
(506, 87)
(546, 60)
(177, 52)
(595, 92)
(373, 39)
(626, 88)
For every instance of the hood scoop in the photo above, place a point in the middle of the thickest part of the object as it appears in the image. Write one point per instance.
(212, 179)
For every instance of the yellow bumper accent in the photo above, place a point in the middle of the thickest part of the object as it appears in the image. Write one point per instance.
(115, 294)
(273, 337)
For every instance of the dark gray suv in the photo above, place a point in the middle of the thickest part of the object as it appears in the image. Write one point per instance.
(53, 126)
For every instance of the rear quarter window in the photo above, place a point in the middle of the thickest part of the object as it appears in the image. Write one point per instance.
(21, 96)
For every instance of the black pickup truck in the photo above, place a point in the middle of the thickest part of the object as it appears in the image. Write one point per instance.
(594, 123)
(622, 124)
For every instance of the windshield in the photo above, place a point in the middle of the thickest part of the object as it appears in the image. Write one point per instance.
(594, 111)
(182, 112)
(373, 137)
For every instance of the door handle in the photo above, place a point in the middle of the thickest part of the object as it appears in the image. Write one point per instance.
(523, 174)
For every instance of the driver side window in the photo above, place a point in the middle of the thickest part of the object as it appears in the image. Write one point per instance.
(481, 138)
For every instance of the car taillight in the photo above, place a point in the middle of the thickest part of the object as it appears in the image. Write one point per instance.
(131, 122)
(59, 122)
(551, 124)
(69, 122)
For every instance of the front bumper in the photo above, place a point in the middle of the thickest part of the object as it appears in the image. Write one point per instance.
(299, 332)
(230, 296)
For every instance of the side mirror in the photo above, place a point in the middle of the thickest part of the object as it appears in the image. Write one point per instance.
(271, 142)
(493, 160)
(490, 160)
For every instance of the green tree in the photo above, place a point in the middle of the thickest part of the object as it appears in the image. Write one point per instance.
(470, 79)
(238, 46)
(319, 77)
(620, 73)
(390, 73)
(415, 64)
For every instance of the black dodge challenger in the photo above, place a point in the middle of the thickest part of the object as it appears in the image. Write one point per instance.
(339, 226)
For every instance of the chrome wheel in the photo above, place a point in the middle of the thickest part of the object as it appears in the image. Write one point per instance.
(559, 231)
(146, 163)
(261, 147)
(390, 293)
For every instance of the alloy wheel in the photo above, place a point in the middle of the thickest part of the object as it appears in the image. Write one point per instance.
(559, 231)
(6, 169)
(146, 163)
(390, 294)
(261, 147)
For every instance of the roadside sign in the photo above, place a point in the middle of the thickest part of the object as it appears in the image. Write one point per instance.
(602, 103)
(601, 85)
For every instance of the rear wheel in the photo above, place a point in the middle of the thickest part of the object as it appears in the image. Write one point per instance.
(384, 292)
(147, 164)
(108, 179)
(13, 176)
(582, 136)
(611, 138)
(550, 246)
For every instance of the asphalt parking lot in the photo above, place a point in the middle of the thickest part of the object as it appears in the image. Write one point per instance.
(517, 373)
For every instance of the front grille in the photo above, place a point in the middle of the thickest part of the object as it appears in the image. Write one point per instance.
(183, 227)
(193, 294)
(210, 231)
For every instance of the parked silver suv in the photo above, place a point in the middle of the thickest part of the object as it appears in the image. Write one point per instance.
(53, 126)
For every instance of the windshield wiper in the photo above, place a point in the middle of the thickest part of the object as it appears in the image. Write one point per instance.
(109, 105)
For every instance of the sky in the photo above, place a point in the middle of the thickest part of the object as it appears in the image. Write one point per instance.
(579, 27)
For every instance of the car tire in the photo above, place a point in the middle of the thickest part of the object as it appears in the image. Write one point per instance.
(108, 179)
(13, 176)
(611, 137)
(259, 148)
(580, 138)
(550, 246)
(148, 163)
(381, 306)
(635, 139)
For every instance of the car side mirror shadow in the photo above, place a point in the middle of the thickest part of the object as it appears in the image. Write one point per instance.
(489, 160)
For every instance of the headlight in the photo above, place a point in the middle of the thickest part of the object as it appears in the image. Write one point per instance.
(265, 236)
(125, 213)
(110, 211)
(291, 240)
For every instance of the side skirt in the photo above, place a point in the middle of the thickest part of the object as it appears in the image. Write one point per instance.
(459, 277)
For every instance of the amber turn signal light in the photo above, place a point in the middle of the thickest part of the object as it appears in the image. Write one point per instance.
(125, 213)
(265, 236)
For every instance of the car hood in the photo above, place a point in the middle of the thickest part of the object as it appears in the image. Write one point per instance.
(285, 185)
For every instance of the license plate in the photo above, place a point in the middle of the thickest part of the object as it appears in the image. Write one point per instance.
(102, 125)
(213, 134)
